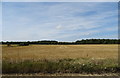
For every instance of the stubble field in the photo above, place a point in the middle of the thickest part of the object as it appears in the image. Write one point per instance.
(51, 59)
(54, 52)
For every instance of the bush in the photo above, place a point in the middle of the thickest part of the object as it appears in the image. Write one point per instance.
(24, 44)
(59, 66)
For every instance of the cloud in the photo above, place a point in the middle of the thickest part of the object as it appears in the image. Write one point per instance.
(61, 21)
(58, 27)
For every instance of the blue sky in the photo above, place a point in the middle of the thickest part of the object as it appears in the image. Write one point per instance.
(60, 0)
(62, 21)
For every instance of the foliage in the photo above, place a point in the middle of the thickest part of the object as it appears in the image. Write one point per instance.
(62, 66)
(87, 41)
(24, 44)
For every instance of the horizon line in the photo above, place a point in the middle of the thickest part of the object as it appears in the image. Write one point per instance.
(55, 40)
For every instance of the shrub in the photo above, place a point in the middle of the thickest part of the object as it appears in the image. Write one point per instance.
(24, 44)
(60, 66)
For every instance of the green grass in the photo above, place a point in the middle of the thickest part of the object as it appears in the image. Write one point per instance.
(80, 65)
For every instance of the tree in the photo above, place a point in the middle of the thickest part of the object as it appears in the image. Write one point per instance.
(8, 44)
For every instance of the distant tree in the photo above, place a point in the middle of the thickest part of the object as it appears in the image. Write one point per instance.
(24, 44)
(83, 41)
(8, 44)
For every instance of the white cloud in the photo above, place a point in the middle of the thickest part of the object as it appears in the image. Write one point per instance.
(59, 26)
(60, 21)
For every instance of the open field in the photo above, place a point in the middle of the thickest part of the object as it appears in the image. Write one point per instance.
(51, 59)
(54, 52)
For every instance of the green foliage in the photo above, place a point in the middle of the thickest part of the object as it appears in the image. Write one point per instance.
(98, 41)
(61, 66)
(24, 44)
(49, 42)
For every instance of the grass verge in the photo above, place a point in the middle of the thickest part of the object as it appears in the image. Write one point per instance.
(81, 65)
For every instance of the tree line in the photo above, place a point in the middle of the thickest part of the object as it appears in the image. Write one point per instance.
(49, 42)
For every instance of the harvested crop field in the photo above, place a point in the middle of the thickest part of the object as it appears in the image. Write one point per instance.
(51, 59)
(54, 52)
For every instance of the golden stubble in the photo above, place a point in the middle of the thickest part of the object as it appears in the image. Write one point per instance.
(54, 52)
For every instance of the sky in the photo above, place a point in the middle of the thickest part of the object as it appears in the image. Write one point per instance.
(62, 21)
(60, 0)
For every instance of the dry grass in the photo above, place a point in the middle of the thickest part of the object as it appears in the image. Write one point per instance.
(65, 74)
(55, 52)
(51, 59)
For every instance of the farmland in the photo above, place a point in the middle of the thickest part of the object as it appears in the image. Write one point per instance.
(54, 52)
(60, 58)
